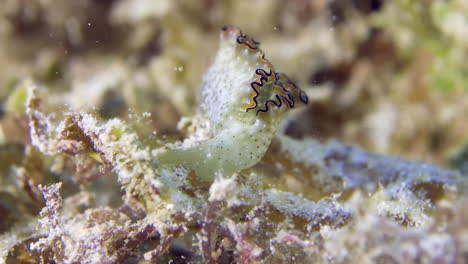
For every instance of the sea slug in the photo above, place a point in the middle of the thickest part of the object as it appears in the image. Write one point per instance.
(244, 99)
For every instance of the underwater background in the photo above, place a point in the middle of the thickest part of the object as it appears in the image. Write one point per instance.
(372, 170)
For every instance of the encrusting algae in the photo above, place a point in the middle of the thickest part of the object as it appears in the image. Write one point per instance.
(244, 99)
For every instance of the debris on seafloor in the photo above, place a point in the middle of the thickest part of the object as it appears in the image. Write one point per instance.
(94, 170)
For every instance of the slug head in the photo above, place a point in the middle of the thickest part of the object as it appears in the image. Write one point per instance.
(250, 88)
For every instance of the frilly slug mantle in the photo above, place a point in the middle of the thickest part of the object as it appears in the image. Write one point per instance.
(244, 98)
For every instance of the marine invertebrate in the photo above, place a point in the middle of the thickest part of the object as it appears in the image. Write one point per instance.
(244, 99)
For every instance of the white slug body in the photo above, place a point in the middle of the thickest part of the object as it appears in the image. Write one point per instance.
(244, 99)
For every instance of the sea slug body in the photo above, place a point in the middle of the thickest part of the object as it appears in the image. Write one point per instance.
(244, 99)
